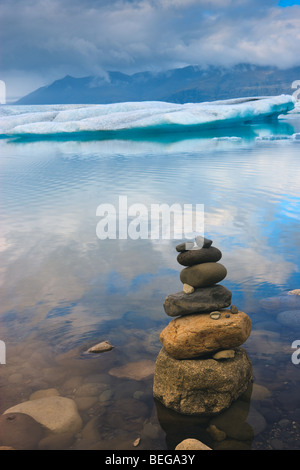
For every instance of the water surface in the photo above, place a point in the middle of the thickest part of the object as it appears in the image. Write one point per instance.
(63, 289)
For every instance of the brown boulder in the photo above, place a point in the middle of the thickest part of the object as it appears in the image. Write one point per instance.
(195, 335)
(204, 299)
(201, 386)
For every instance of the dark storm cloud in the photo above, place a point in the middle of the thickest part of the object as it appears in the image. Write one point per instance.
(51, 38)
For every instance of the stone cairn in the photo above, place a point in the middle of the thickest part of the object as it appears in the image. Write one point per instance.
(201, 368)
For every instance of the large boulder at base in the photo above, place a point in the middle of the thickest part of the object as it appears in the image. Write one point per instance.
(203, 275)
(198, 256)
(204, 299)
(57, 414)
(195, 335)
(201, 386)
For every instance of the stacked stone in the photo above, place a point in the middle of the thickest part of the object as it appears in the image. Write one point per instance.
(201, 368)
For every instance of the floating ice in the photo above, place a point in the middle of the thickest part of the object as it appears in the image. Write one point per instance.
(145, 116)
(292, 137)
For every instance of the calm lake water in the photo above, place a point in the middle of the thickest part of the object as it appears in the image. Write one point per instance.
(64, 290)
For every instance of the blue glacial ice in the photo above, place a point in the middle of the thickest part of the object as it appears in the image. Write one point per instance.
(142, 116)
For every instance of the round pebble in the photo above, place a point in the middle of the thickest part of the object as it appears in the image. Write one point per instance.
(215, 315)
(188, 289)
(234, 309)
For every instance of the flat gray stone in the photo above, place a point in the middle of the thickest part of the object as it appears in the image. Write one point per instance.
(184, 246)
(203, 275)
(199, 256)
(202, 300)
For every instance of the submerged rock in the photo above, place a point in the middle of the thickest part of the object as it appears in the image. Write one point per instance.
(191, 444)
(49, 392)
(216, 433)
(20, 431)
(203, 275)
(289, 318)
(240, 421)
(200, 386)
(57, 414)
(134, 370)
(57, 441)
(198, 335)
(100, 347)
(260, 392)
(294, 292)
(204, 299)
(284, 301)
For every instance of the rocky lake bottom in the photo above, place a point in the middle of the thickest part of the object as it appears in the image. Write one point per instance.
(113, 393)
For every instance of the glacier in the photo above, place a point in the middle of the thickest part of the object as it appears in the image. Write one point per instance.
(139, 116)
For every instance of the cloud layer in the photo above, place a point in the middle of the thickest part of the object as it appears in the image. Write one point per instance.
(46, 39)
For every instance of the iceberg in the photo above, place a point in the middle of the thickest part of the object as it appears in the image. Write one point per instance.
(139, 116)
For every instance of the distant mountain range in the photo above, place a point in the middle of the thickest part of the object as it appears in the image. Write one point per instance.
(182, 85)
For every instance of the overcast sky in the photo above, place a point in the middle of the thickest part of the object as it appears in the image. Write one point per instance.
(43, 40)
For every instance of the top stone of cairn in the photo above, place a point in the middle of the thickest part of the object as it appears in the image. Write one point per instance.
(201, 242)
(201, 252)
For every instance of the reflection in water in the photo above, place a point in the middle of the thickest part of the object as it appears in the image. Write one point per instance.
(63, 290)
(227, 431)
